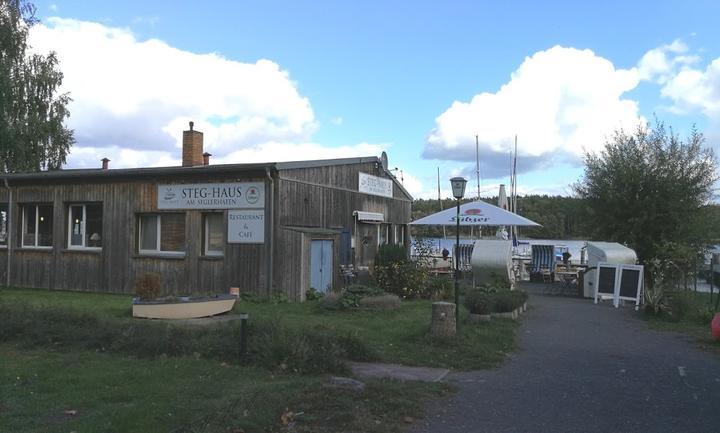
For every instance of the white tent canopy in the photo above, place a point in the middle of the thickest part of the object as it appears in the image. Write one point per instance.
(476, 213)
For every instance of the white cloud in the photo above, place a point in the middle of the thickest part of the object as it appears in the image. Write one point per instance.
(560, 102)
(132, 98)
(337, 120)
(661, 63)
(695, 89)
(279, 152)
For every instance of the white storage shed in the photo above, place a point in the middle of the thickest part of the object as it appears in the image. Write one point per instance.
(605, 252)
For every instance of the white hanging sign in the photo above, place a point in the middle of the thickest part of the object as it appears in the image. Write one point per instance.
(235, 195)
(374, 185)
(246, 226)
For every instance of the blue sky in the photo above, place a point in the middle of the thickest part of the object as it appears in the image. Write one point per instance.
(419, 79)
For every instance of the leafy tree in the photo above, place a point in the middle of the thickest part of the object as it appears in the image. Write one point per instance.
(32, 134)
(650, 190)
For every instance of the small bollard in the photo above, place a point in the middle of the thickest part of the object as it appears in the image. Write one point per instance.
(243, 335)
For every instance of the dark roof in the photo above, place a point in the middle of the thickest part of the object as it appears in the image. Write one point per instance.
(199, 170)
(99, 173)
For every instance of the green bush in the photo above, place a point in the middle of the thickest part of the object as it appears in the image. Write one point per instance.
(519, 297)
(404, 279)
(351, 297)
(313, 295)
(389, 254)
(504, 302)
(680, 305)
(438, 288)
(479, 302)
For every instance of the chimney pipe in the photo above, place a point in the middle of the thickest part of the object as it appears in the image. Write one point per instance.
(192, 154)
(105, 163)
(206, 158)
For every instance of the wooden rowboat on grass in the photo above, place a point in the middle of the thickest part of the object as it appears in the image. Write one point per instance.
(183, 307)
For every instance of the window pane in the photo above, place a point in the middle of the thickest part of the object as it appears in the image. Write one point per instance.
(214, 227)
(76, 226)
(172, 232)
(45, 225)
(3, 223)
(148, 232)
(93, 225)
(28, 238)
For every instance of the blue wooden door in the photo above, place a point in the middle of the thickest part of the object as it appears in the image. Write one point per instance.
(321, 270)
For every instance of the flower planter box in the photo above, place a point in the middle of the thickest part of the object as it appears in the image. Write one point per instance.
(479, 317)
(183, 307)
(512, 315)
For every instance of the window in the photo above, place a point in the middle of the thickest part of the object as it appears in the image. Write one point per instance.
(161, 233)
(213, 234)
(85, 225)
(383, 230)
(37, 224)
(3, 225)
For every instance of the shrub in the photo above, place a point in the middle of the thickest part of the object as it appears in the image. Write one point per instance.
(381, 302)
(148, 285)
(313, 295)
(503, 302)
(404, 279)
(438, 288)
(331, 301)
(363, 290)
(352, 297)
(680, 305)
(479, 302)
(389, 254)
(519, 297)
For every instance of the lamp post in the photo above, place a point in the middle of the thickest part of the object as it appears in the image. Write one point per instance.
(458, 188)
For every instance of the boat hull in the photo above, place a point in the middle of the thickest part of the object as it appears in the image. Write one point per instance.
(183, 310)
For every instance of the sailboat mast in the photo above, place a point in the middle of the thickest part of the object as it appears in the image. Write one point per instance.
(440, 197)
(477, 164)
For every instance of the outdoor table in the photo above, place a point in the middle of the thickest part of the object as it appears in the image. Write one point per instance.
(569, 278)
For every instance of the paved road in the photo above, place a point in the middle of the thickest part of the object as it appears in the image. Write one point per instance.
(586, 368)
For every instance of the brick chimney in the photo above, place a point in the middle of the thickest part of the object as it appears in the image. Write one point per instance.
(192, 147)
(206, 158)
(105, 163)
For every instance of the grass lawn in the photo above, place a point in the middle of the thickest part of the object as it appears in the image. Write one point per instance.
(398, 336)
(694, 320)
(49, 391)
(49, 368)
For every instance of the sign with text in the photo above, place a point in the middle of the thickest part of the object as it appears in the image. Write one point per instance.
(238, 195)
(246, 226)
(374, 185)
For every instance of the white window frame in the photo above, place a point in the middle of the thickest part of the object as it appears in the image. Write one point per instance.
(83, 226)
(157, 251)
(37, 227)
(206, 241)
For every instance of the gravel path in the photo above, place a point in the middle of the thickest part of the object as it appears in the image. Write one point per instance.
(582, 367)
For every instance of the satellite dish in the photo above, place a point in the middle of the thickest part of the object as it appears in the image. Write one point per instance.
(384, 161)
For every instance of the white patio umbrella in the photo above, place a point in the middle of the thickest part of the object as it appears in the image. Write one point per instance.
(476, 213)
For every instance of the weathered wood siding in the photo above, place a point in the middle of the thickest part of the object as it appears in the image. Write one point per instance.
(115, 267)
(307, 203)
(326, 198)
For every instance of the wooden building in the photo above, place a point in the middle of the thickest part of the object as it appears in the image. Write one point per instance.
(270, 228)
